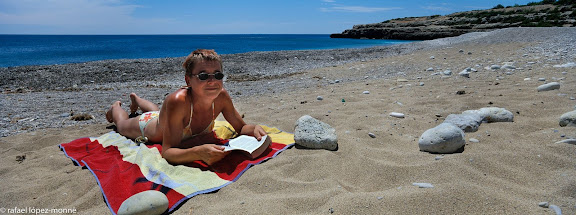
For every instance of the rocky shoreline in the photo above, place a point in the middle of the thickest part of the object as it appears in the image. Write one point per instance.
(451, 25)
(37, 97)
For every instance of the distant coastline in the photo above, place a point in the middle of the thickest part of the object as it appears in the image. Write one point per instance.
(25, 50)
(548, 13)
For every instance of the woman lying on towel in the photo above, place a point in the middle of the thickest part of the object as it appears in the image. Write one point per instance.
(186, 113)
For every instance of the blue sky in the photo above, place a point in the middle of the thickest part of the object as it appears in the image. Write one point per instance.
(216, 16)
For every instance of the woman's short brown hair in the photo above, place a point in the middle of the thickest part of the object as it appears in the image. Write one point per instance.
(198, 56)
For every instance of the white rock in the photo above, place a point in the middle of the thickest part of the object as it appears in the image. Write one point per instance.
(465, 74)
(444, 138)
(568, 141)
(566, 65)
(493, 114)
(366, 92)
(146, 202)
(508, 65)
(548, 87)
(495, 67)
(447, 72)
(527, 79)
(467, 122)
(568, 119)
(421, 84)
(430, 69)
(397, 115)
(314, 134)
(556, 209)
(474, 140)
(423, 185)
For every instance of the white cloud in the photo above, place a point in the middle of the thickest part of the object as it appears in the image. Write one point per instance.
(357, 9)
(65, 12)
(77, 17)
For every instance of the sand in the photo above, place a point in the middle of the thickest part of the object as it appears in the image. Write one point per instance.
(514, 166)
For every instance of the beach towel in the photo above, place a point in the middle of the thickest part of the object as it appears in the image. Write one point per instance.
(122, 168)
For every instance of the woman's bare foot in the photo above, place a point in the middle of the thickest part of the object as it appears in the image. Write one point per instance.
(133, 103)
(109, 113)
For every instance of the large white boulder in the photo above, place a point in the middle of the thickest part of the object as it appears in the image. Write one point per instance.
(147, 202)
(314, 134)
(568, 119)
(444, 138)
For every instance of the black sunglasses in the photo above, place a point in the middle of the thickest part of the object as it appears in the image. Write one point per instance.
(205, 76)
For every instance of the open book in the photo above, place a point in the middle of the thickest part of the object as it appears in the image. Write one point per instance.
(249, 145)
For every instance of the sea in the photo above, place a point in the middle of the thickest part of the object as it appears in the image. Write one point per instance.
(22, 50)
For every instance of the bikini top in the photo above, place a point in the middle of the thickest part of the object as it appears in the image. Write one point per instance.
(187, 132)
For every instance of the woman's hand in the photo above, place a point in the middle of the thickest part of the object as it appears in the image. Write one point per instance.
(259, 132)
(211, 153)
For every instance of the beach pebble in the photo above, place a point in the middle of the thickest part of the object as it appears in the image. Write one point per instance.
(430, 69)
(319, 98)
(548, 86)
(314, 134)
(467, 122)
(444, 138)
(568, 119)
(465, 74)
(474, 140)
(423, 185)
(568, 141)
(146, 202)
(541, 79)
(527, 79)
(508, 65)
(372, 135)
(556, 209)
(566, 65)
(366, 92)
(421, 84)
(495, 67)
(397, 115)
(401, 80)
(493, 114)
(544, 204)
(447, 72)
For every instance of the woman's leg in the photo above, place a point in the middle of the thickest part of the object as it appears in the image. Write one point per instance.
(143, 104)
(126, 126)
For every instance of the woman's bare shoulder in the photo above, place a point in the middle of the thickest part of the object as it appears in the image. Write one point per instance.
(176, 98)
(223, 97)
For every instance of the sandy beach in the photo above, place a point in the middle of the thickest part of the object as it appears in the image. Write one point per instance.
(510, 169)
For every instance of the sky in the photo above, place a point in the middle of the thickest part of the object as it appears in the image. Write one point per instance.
(217, 16)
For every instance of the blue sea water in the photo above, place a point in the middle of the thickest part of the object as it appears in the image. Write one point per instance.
(20, 50)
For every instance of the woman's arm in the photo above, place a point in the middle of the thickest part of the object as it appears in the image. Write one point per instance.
(233, 117)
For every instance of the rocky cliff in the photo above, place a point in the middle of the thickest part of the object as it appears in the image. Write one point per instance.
(432, 27)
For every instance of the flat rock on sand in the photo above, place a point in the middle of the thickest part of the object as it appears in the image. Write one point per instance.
(511, 169)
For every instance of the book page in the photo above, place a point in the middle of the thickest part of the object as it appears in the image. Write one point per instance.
(246, 143)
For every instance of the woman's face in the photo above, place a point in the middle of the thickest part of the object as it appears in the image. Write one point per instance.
(210, 87)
